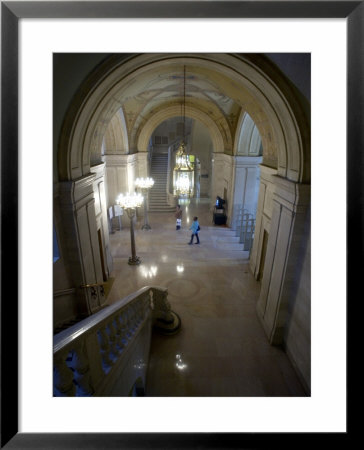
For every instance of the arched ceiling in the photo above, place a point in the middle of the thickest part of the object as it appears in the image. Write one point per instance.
(161, 87)
(219, 88)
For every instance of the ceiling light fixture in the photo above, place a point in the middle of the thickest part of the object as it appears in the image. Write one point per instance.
(183, 172)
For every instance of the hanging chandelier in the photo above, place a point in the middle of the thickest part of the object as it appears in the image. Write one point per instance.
(183, 172)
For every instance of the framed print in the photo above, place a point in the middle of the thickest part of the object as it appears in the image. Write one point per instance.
(176, 423)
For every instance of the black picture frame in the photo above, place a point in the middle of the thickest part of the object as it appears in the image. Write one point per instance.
(11, 12)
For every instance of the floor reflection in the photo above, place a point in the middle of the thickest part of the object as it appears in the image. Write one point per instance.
(221, 349)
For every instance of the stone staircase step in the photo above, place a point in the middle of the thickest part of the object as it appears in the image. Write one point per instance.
(158, 195)
(222, 230)
(230, 246)
(228, 239)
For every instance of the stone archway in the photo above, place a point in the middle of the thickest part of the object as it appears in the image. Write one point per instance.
(174, 111)
(284, 134)
(116, 136)
(283, 124)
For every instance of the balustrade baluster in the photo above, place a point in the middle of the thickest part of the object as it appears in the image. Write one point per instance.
(128, 322)
(134, 317)
(82, 368)
(118, 335)
(63, 376)
(151, 299)
(137, 318)
(137, 313)
(105, 348)
(97, 345)
(123, 336)
(112, 339)
(142, 308)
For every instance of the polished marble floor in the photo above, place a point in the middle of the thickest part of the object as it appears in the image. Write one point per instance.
(221, 349)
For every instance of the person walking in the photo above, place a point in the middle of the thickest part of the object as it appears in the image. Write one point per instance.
(178, 215)
(195, 227)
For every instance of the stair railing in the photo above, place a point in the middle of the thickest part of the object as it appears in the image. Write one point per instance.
(104, 354)
(246, 228)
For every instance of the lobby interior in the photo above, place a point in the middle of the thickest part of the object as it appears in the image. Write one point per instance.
(244, 312)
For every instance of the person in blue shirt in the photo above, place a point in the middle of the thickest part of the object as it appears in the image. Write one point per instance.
(195, 227)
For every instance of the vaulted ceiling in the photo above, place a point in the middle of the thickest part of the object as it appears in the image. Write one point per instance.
(201, 88)
(147, 89)
(155, 89)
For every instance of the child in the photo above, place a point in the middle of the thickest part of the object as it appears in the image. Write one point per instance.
(178, 215)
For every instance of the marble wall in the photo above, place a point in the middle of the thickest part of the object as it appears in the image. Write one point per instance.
(76, 210)
(83, 232)
(297, 337)
(201, 147)
(283, 307)
(222, 181)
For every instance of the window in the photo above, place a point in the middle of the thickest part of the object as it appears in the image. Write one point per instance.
(161, 140)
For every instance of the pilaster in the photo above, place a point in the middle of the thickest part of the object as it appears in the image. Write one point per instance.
(222, 178)
(120, 173)
(290, 206)
(99, 187)
(263, 216)
(77, 203)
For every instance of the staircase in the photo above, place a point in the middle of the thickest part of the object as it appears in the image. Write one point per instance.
(226, 239)
(158, 195)
(104, 354)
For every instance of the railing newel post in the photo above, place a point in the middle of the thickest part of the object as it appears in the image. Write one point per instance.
(63, 376)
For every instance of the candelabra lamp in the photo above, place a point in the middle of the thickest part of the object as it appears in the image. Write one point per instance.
(144, 184)
(130, 202)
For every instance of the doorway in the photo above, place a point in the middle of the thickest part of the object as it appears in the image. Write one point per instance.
(262, 258)
(102, 258)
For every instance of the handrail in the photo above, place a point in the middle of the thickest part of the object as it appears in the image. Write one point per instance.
(105, 353)
(66, 336)
(246, 227)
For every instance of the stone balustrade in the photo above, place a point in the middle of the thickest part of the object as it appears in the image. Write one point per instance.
(107, 353)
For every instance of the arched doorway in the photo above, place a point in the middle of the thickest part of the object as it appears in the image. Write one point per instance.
(225, 86)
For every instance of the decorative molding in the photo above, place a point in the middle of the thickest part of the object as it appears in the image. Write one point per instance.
(247, 161)
(98, 170)
(119, 160)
